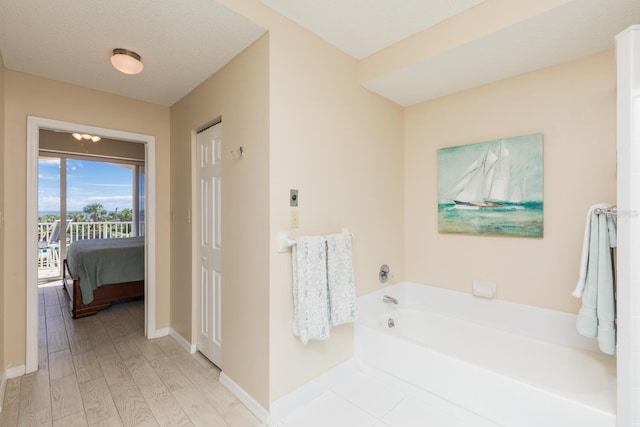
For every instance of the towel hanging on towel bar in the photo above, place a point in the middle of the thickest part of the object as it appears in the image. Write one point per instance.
(596, 284)
(324, 293)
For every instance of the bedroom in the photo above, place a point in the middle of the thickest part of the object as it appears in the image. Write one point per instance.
(89, 180)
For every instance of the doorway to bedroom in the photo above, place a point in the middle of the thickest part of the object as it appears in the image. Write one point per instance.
(145, 222)
(86, 190)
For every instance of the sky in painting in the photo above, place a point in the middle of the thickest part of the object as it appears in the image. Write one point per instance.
(87, 182)
(525, 165)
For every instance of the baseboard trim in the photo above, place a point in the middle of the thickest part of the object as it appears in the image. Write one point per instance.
(159, 333)
(16, 371)
(245, 398)
(190, 348)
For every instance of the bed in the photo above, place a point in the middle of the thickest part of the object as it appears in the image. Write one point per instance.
(98, 272)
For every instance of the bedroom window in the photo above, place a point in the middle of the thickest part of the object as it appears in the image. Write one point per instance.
(83, 198)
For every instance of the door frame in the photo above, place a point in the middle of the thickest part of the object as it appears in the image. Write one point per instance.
(34, 124)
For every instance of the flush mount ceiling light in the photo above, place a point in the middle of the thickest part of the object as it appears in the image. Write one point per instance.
(81, 136)
(126, 61)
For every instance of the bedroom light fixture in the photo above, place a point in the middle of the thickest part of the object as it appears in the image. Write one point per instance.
(81, 136)
(126, 61)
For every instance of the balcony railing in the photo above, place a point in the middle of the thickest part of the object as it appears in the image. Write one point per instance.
(49, 237)
(85, 230)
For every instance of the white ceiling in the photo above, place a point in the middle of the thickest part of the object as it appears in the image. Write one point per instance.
(184, 42)
(363, 27)
(571, 31)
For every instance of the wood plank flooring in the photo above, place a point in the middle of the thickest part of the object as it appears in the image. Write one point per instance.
(102, 371)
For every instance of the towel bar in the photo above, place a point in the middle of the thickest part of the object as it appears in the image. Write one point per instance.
(613, 210)
(283, 242)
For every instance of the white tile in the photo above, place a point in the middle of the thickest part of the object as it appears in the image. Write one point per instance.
(371, 394)
(422, 412)
(329, 409)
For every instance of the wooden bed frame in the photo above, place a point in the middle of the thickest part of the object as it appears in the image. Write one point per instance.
(102, 297)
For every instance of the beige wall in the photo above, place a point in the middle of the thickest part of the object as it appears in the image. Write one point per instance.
(573, 105)
(341, 147)
(28, 95)
(3, 300)
(239, 94)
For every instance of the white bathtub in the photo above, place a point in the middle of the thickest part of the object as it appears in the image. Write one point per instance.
(508, 378)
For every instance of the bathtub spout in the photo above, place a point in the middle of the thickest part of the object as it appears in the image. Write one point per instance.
(387, 298)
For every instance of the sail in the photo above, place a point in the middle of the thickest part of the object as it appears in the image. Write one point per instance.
(464, 182)
(499, 185)
(486, 181)
(472, 191)
(517, 195)
(491, 160)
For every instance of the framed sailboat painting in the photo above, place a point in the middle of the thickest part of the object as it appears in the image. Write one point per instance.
(492, 187)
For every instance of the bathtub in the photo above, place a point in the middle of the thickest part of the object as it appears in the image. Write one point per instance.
(507, 377)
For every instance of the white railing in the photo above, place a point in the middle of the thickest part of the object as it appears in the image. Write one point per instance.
(86, 230)
(45, 229)
(99, 230)
(49, 239)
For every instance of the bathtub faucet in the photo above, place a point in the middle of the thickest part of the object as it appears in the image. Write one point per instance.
(387, 298)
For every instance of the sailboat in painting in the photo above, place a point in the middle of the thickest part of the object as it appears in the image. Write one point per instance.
(486, 183)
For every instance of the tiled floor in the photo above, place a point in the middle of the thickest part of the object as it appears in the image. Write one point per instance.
(102, 371)
(375, 400)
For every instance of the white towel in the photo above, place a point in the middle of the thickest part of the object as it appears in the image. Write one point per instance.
(597, 315)
(342, 290)
(586, 241)
(310, 298)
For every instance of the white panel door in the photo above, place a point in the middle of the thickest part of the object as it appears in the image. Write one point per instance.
(209, 146)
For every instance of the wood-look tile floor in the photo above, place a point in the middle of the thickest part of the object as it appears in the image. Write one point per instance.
(102, 371)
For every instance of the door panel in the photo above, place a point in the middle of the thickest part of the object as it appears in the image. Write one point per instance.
(209, 146)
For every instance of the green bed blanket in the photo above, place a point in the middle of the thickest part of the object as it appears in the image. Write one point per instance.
(98, 262)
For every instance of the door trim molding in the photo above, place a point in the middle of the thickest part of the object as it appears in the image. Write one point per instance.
(34, 124)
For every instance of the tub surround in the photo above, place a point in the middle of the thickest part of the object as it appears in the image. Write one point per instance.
(500, 360)
(532, 325)
(553, 326)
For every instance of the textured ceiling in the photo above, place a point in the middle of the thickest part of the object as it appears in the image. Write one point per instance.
(182, 43)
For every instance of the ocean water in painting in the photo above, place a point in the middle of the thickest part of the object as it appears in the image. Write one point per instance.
(518, 219)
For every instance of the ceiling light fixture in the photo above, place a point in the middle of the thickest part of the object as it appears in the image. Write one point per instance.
(81, 136)
(126, 61)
